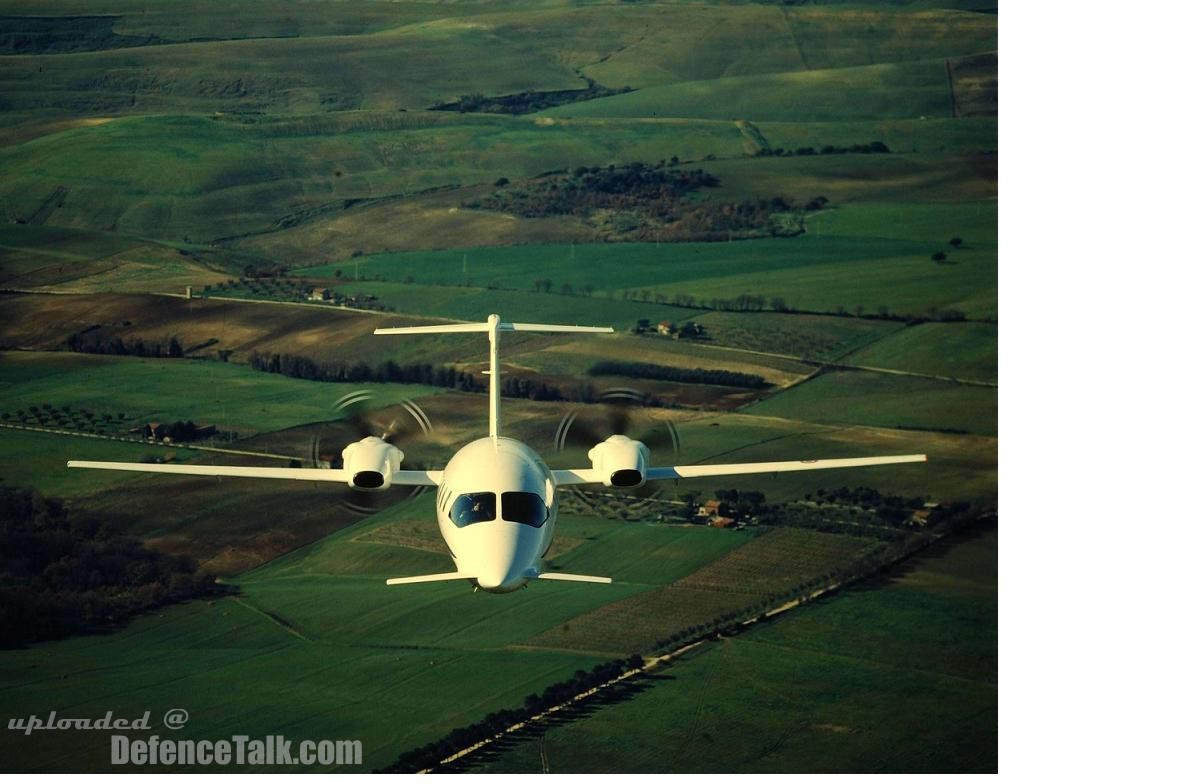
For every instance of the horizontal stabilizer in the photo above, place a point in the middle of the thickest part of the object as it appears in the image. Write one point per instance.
(428, 578)
(575, 578)
(483, 326)
(303, 474)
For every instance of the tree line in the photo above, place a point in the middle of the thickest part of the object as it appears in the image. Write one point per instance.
(727, 378)
(63, 573)
(528, 101)
(827, 149)
(390, 372)
(93, 341)
(430, 755)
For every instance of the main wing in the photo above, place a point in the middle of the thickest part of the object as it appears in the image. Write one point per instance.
(580, 476)
(431, 478)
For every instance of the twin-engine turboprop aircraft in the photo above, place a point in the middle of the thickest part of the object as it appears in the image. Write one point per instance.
(496, 500)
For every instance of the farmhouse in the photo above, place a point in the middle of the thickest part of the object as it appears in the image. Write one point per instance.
(319, 295)
(920, 516)
(665, 328)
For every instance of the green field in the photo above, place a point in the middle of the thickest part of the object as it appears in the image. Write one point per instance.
(949, 350)
(857, 397)
(319, 632)
(898, 677)
(820, 273)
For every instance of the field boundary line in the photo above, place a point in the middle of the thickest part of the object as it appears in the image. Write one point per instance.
(892, 372)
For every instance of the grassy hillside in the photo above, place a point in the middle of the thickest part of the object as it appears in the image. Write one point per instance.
(870, 92)
(306, 61)
(211, 177)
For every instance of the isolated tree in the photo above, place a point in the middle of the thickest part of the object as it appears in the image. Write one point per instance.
(501, 182)
(939, 256)
(956, 242)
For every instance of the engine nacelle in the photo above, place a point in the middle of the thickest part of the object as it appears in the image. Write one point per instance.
(370, 463)
(621, 460)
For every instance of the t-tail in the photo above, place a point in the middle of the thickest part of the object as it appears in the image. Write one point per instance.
(494, 326)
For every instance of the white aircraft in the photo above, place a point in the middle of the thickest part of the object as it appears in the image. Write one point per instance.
(496, 501)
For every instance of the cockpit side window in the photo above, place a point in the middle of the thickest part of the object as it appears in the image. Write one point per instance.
(474, 508)
(525, 508)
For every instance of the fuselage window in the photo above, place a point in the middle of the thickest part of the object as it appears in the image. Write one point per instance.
(474, 508)
(525, 508)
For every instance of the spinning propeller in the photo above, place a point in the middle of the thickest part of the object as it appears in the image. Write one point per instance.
(402, 424)
(624, 412)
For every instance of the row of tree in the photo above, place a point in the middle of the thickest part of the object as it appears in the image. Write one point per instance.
(63, 573)
(727, 378)
(653, 190)
(295, 366)
(427, 374)
(430, 755)
(526, 102)
(94, 341)
(827, 149)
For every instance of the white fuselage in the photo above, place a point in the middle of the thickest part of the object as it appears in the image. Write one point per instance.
(496, 508)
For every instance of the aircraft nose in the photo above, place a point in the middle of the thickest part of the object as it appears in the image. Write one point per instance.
(500, 579)
(504, 557)
(491, 579)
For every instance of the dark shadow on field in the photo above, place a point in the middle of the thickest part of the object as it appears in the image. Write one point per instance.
(618, 693)
(919, 560)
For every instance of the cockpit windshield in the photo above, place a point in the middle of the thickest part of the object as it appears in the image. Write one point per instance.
(474, 508)
(525, 508)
